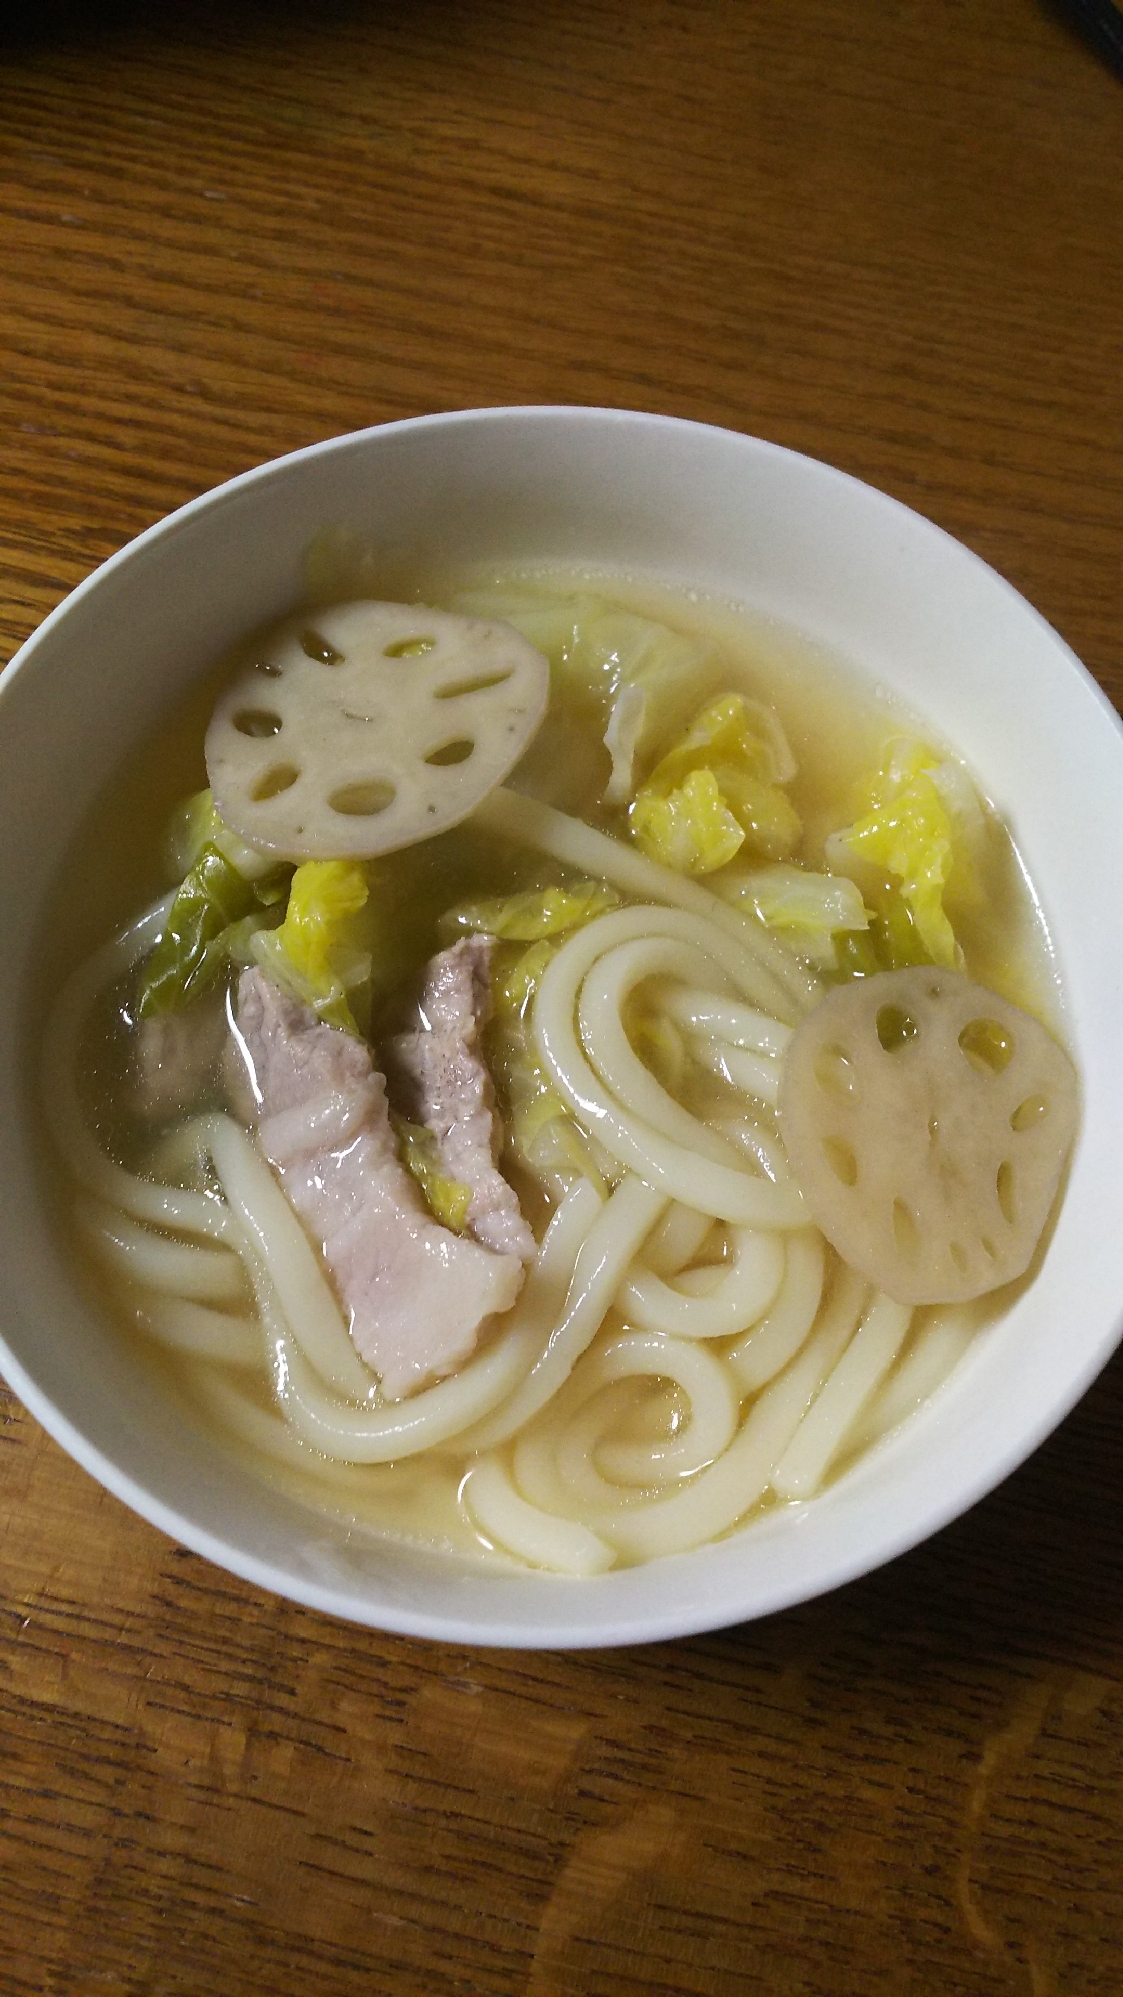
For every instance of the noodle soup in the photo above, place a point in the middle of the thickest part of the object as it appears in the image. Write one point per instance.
(713, 830)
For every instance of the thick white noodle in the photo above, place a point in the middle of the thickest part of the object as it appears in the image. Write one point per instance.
(721, 1495)
(725, 1020)
(180, 1268)
(355, 1435)
(178, 1158)
(266, 1431)
(568, 1478)
(766, 1349)
(727, 1191)
(791, 1393)
(195, 1330)
(789, 990)
(603, 996)
(935, 1349)
(714, 1413)
(268, 1221)
(165, 1206)
(541, 1538)
(740, 1293)
(707, 1276)
(676, 1239)
(707, 944)
(534, 1461)
(858, 1373)
(753, 1074)
(616, 1234)
(751, 1136)
(543, 1299)
(260, 1427)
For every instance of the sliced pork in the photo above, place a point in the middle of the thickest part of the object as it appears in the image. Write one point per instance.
(417, 1294)
(442, 1081)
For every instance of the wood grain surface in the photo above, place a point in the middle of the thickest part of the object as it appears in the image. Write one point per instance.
(886, 232)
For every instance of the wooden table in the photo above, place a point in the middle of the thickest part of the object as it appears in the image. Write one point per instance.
(890, 236)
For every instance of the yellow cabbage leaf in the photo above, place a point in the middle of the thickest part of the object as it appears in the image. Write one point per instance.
(809, 910)
(516, 975)
(742, 733)
(525, 918)
(541, 1134)
(315, 952)
(718, 788)
(447, 1199)
(906, 831)
(689, 828)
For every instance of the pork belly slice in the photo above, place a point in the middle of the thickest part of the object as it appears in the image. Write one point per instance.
(441, 1079)
(417, 1295)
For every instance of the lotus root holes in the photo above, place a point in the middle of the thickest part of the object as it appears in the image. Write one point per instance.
(257, 722)
(927, 1122)
(895, 1028)
(905, 1232)
(834, 1070)
(360, 699)
(988, 1046)
(481, 684)
(409, 648)
(316, 647)
(1033, 1110)
(841, 1160)
(280, 778)
(450, 754)
(362, 800)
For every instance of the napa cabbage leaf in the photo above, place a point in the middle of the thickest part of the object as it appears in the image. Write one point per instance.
(317, 952)
(737, 731)
(541, 1134)
(448, 1199)
(717, 789)
(212, 898)
(689, 828)
(226, 890)
(538, 912)
(627, 722)
(909, 815)
(810, 910)
(194, 824)
(633, 679)
(663, 672)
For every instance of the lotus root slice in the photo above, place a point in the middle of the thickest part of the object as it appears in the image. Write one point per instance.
(928, 1122)
(361, 729)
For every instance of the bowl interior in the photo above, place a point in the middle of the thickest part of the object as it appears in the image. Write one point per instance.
(692, 507)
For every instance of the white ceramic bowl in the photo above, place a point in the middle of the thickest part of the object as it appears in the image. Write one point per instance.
(695, 506)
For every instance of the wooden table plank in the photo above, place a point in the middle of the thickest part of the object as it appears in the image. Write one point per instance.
(887, 236)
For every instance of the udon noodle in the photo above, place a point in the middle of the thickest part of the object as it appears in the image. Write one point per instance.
(686, 1347)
